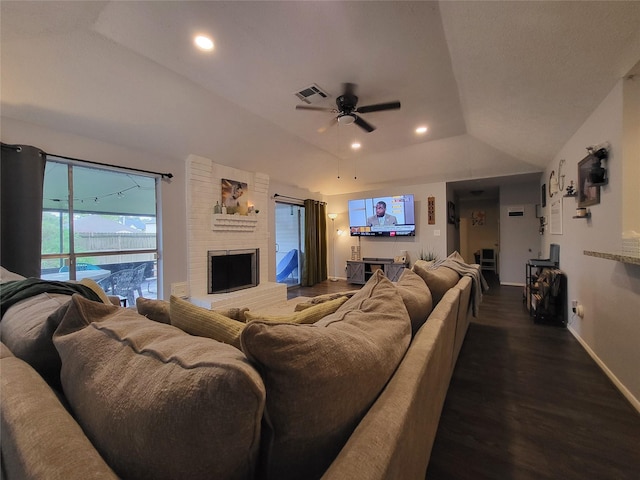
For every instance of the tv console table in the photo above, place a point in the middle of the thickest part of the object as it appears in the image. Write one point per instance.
(359, 272)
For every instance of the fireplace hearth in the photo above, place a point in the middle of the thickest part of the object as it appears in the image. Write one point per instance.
(231, 270)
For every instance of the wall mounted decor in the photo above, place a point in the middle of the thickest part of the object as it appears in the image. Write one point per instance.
(233, 198)
(478, 218)
(543, 195)
(556, 216)
(588, 193)
(431, 210)
(451, 213)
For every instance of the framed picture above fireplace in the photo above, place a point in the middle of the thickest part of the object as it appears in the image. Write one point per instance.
(234, 196)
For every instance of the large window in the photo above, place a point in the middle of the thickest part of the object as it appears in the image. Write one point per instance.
(113, 228)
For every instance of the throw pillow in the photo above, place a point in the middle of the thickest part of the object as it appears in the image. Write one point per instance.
(308, 315)
(416, 297)
(234, 313)
(324, 298)
(321, 379)
(438, 279)
(27, 330)
(156, 402)
(156, 310)
(88, 282)
(203, 322)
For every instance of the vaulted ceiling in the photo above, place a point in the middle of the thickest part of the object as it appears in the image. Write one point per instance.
(501, 85)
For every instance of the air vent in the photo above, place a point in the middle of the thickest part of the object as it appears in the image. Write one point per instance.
(312, 94)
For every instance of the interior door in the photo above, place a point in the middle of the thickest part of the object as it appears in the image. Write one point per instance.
(289, 243)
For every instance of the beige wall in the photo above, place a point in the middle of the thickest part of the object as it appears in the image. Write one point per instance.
(631, 154)
(608, 290)
(481, 236)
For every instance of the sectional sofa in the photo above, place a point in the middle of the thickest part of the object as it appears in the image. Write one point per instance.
(349, 387)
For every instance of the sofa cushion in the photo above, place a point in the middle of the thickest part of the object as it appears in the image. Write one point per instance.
(416, 297)
(308, 315)
(157, 402)
(160, 310)
(156, 310)
(438, 279)
(323, 298)
(40, 439)
(27, 330)
(9, 276)
(203, 322)
(322, 378)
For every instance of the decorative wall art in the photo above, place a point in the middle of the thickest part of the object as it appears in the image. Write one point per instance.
(431, 210)
(451, 213)
(233, 196)
(556, 216)
(478, 218)
(588, 194)
(543, 195)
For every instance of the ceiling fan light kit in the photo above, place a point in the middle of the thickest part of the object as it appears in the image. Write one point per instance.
(348, 109)
(346, 118)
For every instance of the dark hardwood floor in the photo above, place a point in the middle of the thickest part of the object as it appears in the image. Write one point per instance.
(526, 402)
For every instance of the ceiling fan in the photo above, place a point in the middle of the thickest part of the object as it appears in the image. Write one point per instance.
(348, 110)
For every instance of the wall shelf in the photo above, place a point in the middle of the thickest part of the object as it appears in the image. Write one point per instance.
(588, 215)
(613, 256)
(567, 195)
(233, 223)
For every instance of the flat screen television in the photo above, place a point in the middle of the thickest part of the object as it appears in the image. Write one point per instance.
(382, 216)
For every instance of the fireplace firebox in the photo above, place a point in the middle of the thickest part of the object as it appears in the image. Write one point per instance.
(230, 270)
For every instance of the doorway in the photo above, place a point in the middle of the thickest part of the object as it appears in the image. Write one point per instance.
(289, 243)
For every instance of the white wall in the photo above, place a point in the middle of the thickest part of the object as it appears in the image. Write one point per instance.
(428, 237)
(608, 290)
(171, 202)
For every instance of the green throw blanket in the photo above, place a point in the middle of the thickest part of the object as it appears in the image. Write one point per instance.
(13, 292)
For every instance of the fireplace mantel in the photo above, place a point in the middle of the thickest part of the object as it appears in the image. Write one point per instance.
(233, 223)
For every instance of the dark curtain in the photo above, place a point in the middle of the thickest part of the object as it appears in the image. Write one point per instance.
(314, 268)
(22, 181)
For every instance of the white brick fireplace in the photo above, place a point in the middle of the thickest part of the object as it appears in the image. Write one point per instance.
(206, 231)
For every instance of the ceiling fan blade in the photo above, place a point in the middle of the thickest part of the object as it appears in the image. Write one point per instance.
(333, 121)
(378, 107)
(319, 109)
(364, 125)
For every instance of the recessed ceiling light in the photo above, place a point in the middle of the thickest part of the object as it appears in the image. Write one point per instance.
(421, 130)
(203, 43)
(355, 145)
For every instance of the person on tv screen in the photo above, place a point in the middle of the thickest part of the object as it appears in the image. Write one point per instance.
(381, 217)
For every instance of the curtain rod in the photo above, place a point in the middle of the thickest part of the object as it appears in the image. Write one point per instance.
(277, 195)
(18, 148)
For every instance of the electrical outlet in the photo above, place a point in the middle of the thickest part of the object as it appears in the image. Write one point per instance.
(574, 303)
(180, 289)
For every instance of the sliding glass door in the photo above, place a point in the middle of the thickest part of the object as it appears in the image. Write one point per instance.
(289, 243)
(100, 224)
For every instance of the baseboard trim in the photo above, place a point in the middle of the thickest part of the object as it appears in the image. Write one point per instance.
(512, 284)
(635, 403)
